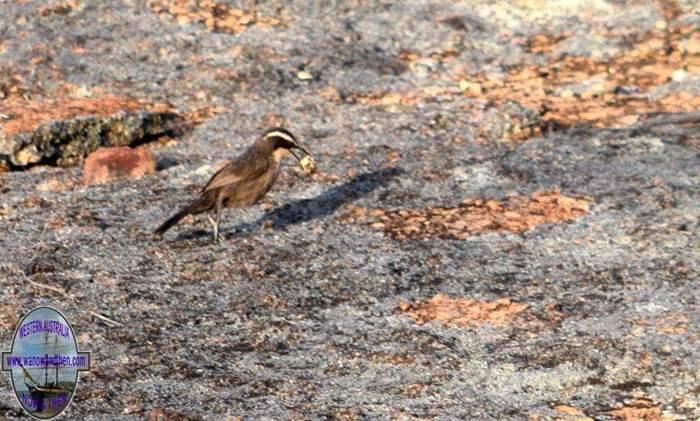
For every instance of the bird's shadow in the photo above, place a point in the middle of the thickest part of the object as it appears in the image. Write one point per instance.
(329, 201)
(304, 210)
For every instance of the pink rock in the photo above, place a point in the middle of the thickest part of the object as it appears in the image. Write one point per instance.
(107, 164)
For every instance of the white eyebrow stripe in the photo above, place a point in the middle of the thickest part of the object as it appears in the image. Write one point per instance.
(283, 135)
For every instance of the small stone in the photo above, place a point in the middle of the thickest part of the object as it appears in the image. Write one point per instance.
(568, 93)
(679, 75)
(472, 88)
(107, 164)
(304, 75)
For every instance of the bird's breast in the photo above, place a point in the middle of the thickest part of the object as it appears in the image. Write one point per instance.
(248, 192)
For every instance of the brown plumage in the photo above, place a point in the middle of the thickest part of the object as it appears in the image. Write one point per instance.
(243, 181)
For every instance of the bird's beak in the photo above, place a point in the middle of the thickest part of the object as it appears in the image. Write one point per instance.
(291, 150)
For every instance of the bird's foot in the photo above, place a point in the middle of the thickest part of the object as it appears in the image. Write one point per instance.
(217, 237)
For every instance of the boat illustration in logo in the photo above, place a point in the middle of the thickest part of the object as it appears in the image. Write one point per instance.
(44, 362)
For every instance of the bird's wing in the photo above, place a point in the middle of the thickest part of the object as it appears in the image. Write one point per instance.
(252, 164)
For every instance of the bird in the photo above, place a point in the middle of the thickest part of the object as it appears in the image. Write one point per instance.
(244, 180)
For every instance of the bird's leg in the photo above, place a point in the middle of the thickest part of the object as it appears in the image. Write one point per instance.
(219, 202)
(213, 224)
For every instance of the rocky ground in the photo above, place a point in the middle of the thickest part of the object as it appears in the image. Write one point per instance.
(504, 224)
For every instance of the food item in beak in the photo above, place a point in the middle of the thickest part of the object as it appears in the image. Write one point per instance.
(308, 165)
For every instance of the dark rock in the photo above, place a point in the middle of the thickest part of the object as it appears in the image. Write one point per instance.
(63, 131)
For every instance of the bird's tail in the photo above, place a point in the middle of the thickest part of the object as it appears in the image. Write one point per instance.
(200, 205)
(172, 221)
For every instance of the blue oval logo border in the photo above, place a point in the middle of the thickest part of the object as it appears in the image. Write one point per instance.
(34, 400)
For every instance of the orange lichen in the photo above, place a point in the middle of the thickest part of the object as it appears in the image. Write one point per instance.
(640, 409)
(28, 115)
(215, 16)
(472, 216)
(462, 311)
